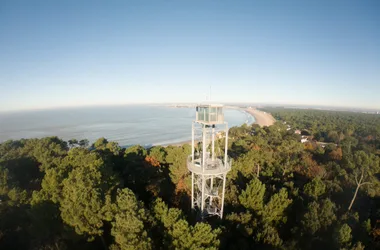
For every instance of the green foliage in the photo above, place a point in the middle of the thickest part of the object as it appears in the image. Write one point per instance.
(83, 192)
(135, 153)
(17, 197)
(358, 246)
(75, 143)
(103, 144)
(253, 196)
(265, 217)
(280, 193)
(365, 167)
(315, 188)
(289, 155)
(158, 153)
(179, 234)
(274, 210)
(311, 219)
(269, 235)
(367, 225)
(176, 158)
(319, 216)
(100, 144)
(46, 224)
(81, 202)
(128, 225)
(51, 186)
(201, 236)
(4, 179)
(344, 235)
(254, 163)
(322, 123)
(245, 221)
(47, 150)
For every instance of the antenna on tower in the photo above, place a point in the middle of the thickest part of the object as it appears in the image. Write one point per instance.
(205, 94)
(208, 96)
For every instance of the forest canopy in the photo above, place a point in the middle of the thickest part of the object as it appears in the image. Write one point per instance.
(280, 193)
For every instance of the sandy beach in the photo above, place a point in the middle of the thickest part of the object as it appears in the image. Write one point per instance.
(262, 118)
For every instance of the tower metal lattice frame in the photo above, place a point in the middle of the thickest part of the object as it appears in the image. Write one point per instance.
(209, 168)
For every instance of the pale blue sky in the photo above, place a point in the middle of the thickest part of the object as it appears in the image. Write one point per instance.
(74, 53)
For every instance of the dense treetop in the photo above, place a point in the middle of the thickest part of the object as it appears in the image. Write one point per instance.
(280, 193)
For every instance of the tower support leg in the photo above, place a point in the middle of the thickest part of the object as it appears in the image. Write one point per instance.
(192, 190)
(224, 190)
(203, 195)
(211, 188)
(226, 147)
(192, 143)
(213, 143)
(204, 149)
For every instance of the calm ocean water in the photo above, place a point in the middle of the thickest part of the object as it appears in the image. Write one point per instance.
(128, 125)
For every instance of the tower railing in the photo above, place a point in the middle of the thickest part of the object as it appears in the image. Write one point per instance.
(219, 164)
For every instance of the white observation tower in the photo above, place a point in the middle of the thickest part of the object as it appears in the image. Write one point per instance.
(208, 166)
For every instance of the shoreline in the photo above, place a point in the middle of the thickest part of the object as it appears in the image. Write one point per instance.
(178, 144)
(261, 118)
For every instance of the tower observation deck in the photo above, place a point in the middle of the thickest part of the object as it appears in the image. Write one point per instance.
(207, 163)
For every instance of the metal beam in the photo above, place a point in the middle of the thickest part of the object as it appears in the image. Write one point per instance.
(226, 146)
(192, 142)
(204, 148)
(213, 143)
(224, 188)
(192, 190)
(203, 194)
(211, 188)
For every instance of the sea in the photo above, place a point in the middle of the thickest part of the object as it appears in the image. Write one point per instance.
(127, 125)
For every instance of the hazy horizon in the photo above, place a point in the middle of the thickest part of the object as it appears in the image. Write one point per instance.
(162, 104)
(81, 53)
